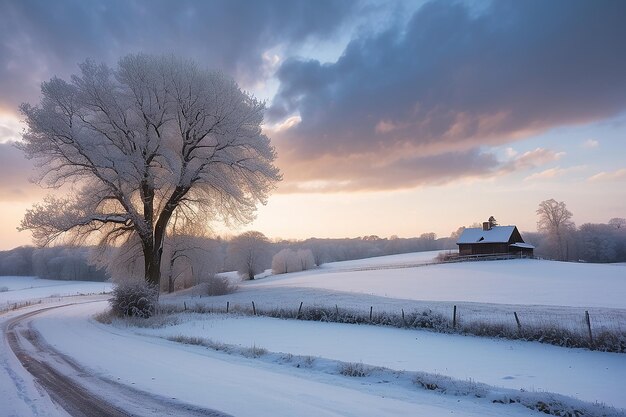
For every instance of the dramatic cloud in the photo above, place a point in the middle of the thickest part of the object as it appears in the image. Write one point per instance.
(453, 80)
(415, 98)
(383, 172)
(43, 38)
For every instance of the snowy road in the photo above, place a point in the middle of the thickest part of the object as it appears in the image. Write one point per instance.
(199, 378)
(75, 390)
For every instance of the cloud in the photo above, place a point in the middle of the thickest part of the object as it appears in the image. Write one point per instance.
(10, 128)
(532, 159)
(453, 81)
(618, 175)
(510, 152)
(552, 173)
(42, 38)
(403, 168)
(409, 101)
(590, 144)
(377, 172)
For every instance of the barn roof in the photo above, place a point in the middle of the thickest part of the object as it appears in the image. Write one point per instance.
(497, 234)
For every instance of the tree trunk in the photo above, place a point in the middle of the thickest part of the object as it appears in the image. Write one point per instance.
(170, 276)
(152, 263)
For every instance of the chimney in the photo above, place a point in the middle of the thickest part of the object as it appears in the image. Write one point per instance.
(486, 226)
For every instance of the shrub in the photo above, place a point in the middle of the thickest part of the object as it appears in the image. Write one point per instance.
(134, 300)
(357, 370)
(220, 286)
(4, 289)
(446, 256)
(254, 351)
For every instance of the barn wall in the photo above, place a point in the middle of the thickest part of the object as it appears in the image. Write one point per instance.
(483, 248)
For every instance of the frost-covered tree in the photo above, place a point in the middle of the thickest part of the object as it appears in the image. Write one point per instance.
(555, 221)
(599, 242)
(250, 253)
(154, 135)
(289, 260)
(618, 223)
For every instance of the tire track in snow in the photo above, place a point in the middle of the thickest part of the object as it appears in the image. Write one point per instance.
(74, 389)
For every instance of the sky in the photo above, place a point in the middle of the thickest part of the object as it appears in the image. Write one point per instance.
(389, 118)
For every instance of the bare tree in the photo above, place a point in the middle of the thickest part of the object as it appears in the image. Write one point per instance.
(250, 253)
(555, 221)
(617, 222)
(140, 141)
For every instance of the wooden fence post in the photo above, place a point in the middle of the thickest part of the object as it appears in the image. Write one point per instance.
(519, 325)
(403, 321)
(337, 310)
(454, 318)
(588, 320)
(299, 310)
(371, 308)
(253, 309)
(227, 306)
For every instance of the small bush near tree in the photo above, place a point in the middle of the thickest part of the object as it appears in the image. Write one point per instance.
(136, 299)
(220, 286)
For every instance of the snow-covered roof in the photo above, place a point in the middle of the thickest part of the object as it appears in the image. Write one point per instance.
(497, 234)
(522, 245)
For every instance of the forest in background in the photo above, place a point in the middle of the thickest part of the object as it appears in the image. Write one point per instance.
(190, 259)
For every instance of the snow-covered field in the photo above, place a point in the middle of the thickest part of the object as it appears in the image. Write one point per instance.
(21, 289)
(402, 260)
(206, 378)
(591, 376)
(518, 281)
(144, 359)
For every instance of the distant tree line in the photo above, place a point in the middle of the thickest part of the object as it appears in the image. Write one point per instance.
(190, 259)
(60, 262)
(559, 238)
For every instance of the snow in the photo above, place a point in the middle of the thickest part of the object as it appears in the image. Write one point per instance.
(587, 375)
(497, 234)
(517, 281)
(143, 359)
(522, 245)
(404, 259)
(236, 385)
(22, 289)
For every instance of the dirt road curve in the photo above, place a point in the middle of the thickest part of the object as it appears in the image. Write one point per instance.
(78, 392)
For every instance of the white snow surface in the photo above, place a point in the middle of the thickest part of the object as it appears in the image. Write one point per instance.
(237, 385)
(241, 386)
(579, 373)
(404, 259)
(22, 289)
(517, 281)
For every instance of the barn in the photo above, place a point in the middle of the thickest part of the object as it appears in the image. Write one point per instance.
(493, 240)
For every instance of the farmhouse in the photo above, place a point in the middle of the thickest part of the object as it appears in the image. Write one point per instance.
(492, 240)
